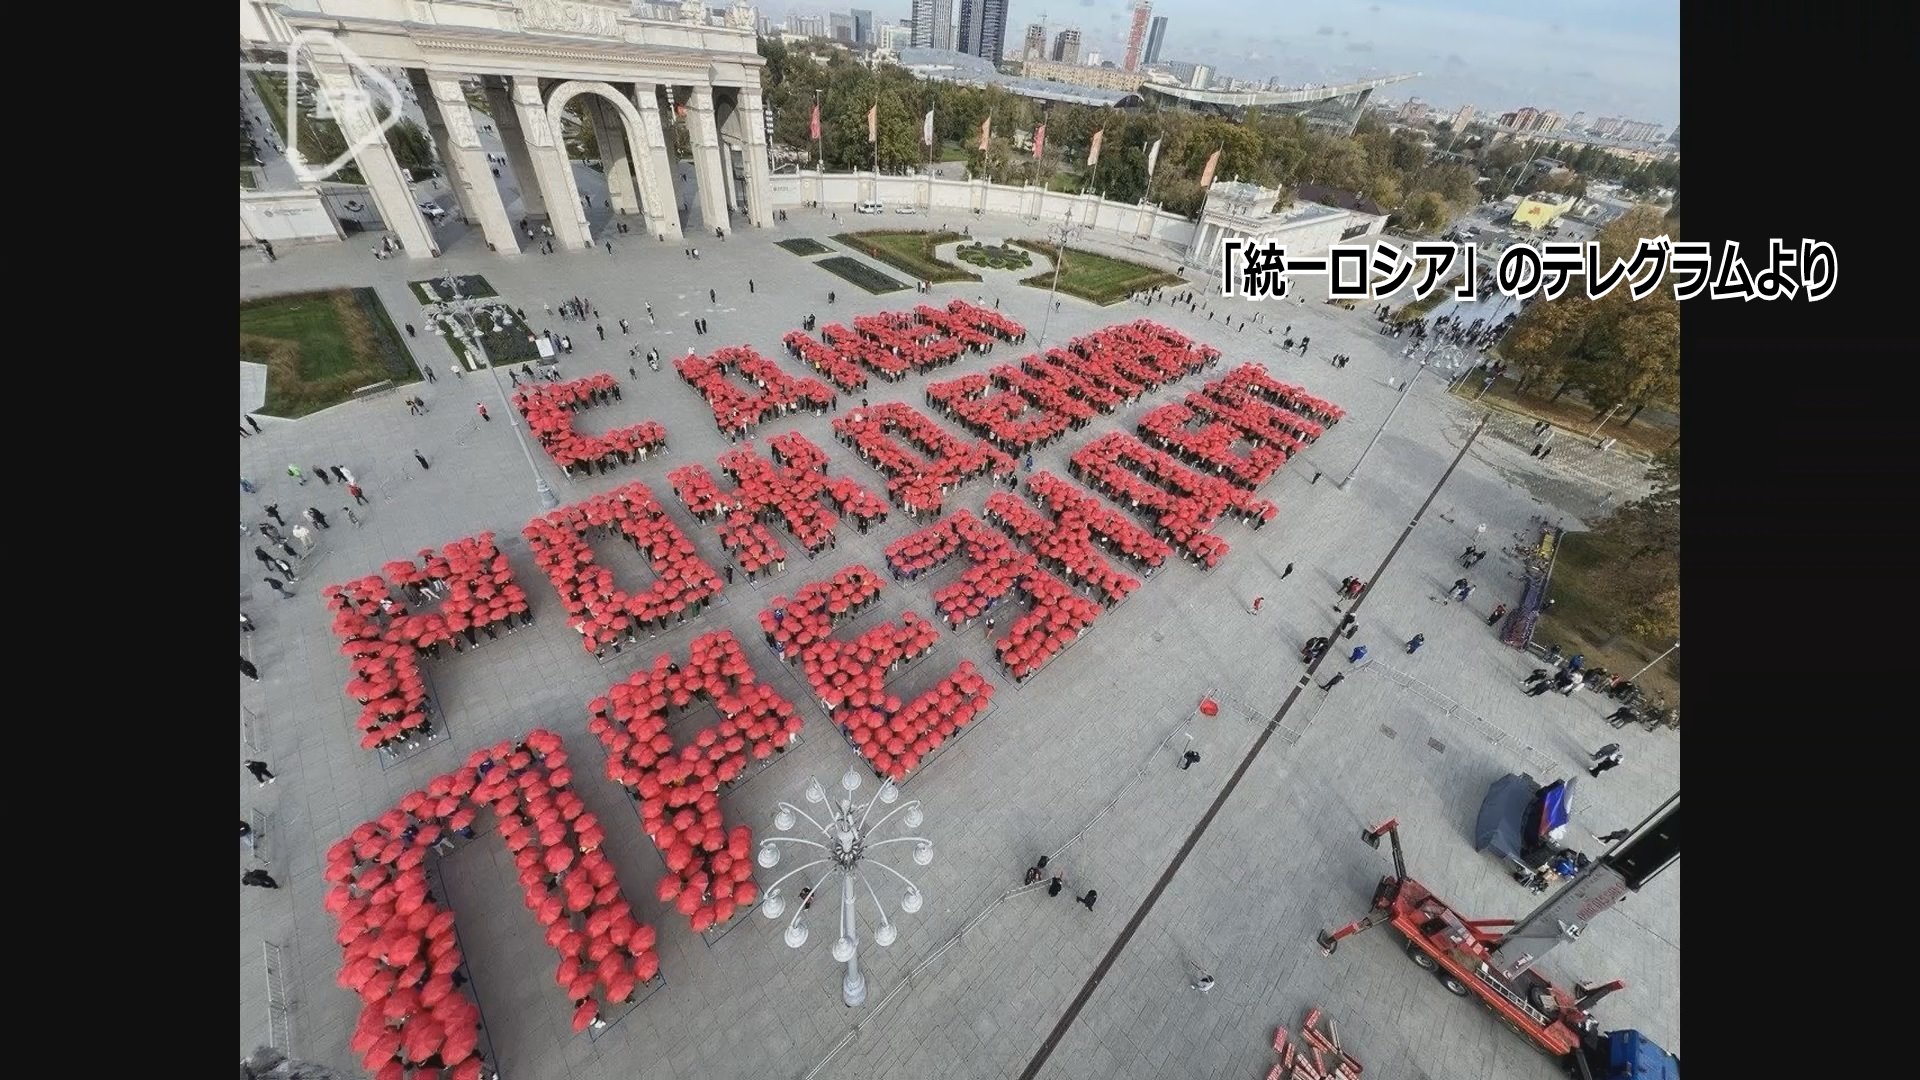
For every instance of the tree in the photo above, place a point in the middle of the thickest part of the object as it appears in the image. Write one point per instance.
(1644, 577)
(1426, 210)
(1545, 337)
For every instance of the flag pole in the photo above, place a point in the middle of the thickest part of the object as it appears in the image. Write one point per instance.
(819, 159)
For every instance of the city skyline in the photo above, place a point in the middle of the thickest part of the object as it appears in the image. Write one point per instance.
(1601, 57)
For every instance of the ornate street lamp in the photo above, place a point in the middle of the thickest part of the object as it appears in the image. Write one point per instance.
(846, 852)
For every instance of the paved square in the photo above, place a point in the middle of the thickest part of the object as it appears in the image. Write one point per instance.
(1084, 755)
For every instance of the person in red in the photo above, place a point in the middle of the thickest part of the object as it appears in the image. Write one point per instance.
(482, 407)
(1499, 612)
(1257, 601)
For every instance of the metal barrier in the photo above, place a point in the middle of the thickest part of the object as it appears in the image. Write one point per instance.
(279, 1002)
(249, 730)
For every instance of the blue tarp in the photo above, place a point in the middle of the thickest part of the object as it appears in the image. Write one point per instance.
(1633, 1056)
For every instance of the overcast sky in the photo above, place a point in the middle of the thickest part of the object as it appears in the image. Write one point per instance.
(1603, 57)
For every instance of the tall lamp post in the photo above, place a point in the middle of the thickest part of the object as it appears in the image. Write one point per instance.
(1402, 396)
(1635, 677)
(1061, 233)
(846, 851)
(470, 326)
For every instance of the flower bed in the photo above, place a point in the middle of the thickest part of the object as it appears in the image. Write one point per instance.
(909, 250)
(850, 676)
(384, 642)
(599, 611)
(1185, 503)
(803, 246)
(549, 410)
(915, 483)
(433, 291)
(399, 953)
(736, 412)
(709, 871)
(997, 257)
(859, 273)
(794, 485)
(503, 334)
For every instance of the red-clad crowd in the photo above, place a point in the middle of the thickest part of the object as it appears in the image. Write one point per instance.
(597, 608)
(399, 950)
(737, 412)
(850, 676)
(677, 788)
(918, 484)
(1184, 503)
(1047, 396)
(384, 642)
(1276, 420)
(793, 488)
(549, 410)
(895, 344)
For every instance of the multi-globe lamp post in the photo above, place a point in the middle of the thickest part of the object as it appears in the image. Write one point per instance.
(845, 852)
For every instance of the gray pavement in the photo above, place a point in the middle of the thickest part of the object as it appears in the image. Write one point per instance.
(1418, 737)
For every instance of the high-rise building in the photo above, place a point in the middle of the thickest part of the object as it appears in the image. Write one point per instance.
(1462, 117)
(1066, 46)
(1137, 33)
(932, 24)
(863, 26)
(1549, 122)
(1413, 111)
(895, 36)
(1578, 123)
(982, 31)
(840, 26)
(1156, 37)
(1036, 44)
(1093, 58)
(807, 25)
(1202, 77)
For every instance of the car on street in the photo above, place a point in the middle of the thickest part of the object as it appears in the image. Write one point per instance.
(904, 210)
(871, 206)
(433, 211)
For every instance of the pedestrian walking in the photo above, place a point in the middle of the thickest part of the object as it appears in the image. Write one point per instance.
(601, 327)
(712, 297)
(1189, 759)
(481, 406)
(246, 624)
(1352, 629)
(1499, 612)
(1284, 574)
(1053, 887)
(750, 285)
(422, 459)
(294, 471)
(1607, 757)
(1337, 679)
(1257, 601)
(1089, 899)
(1414, 643)
(1359, 654)
(351, 516)
(1316, 477)
(1615, 836)
(1033, 875)
(247, 669)
(246, 830)
(318, 518)
(260, 879)
(304, 535)
(1203, 984)
(284, 567)
(340, 474)
(260, 772)
(359, 496)
(252, 423)
(273, 511)
(321, 472)
(276, 586)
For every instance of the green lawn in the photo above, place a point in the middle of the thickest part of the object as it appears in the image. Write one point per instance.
(910, 251)
(861, 274)
(997, 257)
(1096, 278)
(247, 179)
(320, 347)
(804, 247)
(1581, 609)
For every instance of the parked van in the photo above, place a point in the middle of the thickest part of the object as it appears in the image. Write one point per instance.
(871, 206)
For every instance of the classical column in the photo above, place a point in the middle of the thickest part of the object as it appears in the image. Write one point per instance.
(444, 102)
(375, 160)
(506, 121)
(753, 125)
(654, 166)
(708, 170)
(609, 133)
(550, 166)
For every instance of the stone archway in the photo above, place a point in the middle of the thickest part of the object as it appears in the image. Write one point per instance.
(632, 151)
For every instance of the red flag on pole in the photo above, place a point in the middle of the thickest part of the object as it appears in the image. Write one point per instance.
(1039, 141)
(814, 131)
(1093, 155)
(873, 125)
(986, 129)
(1206, 176)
